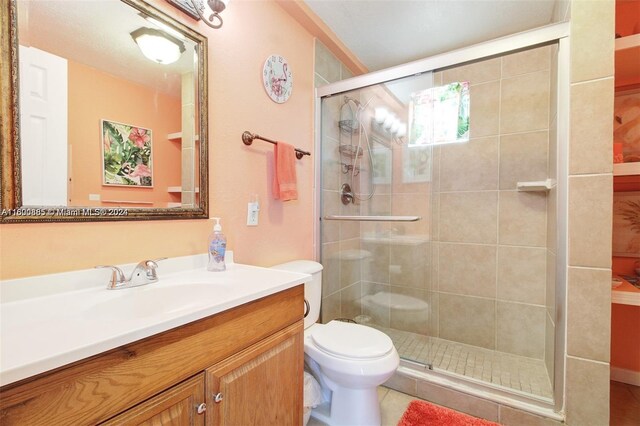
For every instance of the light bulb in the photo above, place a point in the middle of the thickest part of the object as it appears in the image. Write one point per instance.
(388, 121)
(380, 114)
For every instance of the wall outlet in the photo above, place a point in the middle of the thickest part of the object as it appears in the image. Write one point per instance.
(94, 197)
(253, 210)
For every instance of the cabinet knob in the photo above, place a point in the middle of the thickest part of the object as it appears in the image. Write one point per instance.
(217, 397)
(202, 408)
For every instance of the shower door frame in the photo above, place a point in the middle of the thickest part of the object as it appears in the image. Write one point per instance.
(550, 34)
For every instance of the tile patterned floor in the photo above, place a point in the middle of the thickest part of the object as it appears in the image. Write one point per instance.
(512, 371)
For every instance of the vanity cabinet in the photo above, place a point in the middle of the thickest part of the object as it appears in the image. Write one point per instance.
(251, 356)
(256, 387)
(176, 406)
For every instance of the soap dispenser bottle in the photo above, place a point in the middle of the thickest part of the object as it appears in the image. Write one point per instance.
(217, 248)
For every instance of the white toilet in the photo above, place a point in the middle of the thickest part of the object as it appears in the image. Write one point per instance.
(350, 360)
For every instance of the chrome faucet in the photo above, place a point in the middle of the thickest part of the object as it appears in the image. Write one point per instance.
(143, 273)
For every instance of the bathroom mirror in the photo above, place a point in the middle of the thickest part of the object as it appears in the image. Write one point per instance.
(96, 124)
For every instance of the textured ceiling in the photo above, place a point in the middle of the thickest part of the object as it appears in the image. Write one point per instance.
(97, 33)
(385, 33)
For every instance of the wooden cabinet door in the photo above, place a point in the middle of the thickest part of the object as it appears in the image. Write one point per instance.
(261, 385)
(177, 406)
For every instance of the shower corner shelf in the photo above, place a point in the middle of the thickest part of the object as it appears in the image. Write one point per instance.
(348, 126)
(350, 150)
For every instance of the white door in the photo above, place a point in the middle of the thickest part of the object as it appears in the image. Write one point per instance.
(43, 127)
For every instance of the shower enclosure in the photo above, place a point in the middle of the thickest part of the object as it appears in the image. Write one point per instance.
(444, 233)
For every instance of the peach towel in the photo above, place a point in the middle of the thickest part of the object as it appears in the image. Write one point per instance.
(285, 187)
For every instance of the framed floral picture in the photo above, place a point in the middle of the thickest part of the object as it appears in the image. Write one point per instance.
(626, 224)
(126, 155)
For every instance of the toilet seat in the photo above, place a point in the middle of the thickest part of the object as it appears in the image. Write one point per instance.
(352, 341)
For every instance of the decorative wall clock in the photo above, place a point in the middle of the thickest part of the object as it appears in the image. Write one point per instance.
(277, 78)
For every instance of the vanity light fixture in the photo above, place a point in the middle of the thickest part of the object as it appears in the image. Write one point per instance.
(157, 45)
(213, 9)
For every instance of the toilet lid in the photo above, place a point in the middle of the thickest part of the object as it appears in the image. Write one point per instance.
(352, 340)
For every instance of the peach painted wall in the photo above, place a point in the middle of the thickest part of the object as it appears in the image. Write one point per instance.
(625, 335)
(145, 107)
(252, 30)
(627, 17)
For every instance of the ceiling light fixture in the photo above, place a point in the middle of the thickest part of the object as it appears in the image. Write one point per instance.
(157, 45)
(213, 9)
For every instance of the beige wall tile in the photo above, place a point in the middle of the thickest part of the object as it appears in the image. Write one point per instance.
(589, 313)
(468, 269)
(476, 73)
(470, 166)
(484, 115)
(521, 329)
(350, 262)
(409, 264)
(376, 267)
(331, 167)
(549, 348)
(524, 103)
(330, 228)
(411, 205)
(469, 217)
(331, 117)
(326, 64)
(592, 41)
(527, 61)
(522, 274)
(350, 297)
(561, 11)
(318, 81)
(587, 393)
(331, 268)
(379, 313)
(330, 308)
(414, 319)
(591, 141)
(470, 320)
(523, 218)
(552, 219)
(590, 216)
(437, 78)
(551, 285)
(553, 84)
(514, 417)
(466, 403)
(523, 157)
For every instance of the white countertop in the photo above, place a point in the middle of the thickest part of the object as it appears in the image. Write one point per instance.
(42, 329)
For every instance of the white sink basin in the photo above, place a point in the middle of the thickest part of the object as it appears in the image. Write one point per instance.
(153, 299)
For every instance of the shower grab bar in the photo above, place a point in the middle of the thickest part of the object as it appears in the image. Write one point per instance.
(374, 218)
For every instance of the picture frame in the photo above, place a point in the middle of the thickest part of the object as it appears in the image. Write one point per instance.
(416, 163)
(626, 224)
(127, 156)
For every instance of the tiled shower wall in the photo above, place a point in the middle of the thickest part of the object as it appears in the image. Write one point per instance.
(491, 254)
(340, 240)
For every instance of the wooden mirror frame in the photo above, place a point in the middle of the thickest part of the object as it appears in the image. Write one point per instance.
(11, 209)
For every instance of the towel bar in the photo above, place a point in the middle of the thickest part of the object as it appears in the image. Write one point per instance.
(248, 137)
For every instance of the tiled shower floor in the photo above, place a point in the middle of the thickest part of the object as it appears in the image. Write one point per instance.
(512, 371)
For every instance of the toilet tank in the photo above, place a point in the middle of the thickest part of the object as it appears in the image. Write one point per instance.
(312, 289)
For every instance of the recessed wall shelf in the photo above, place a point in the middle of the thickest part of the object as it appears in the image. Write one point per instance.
(627, 65)
(177, 136)
(626, 169)
(178, 189)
